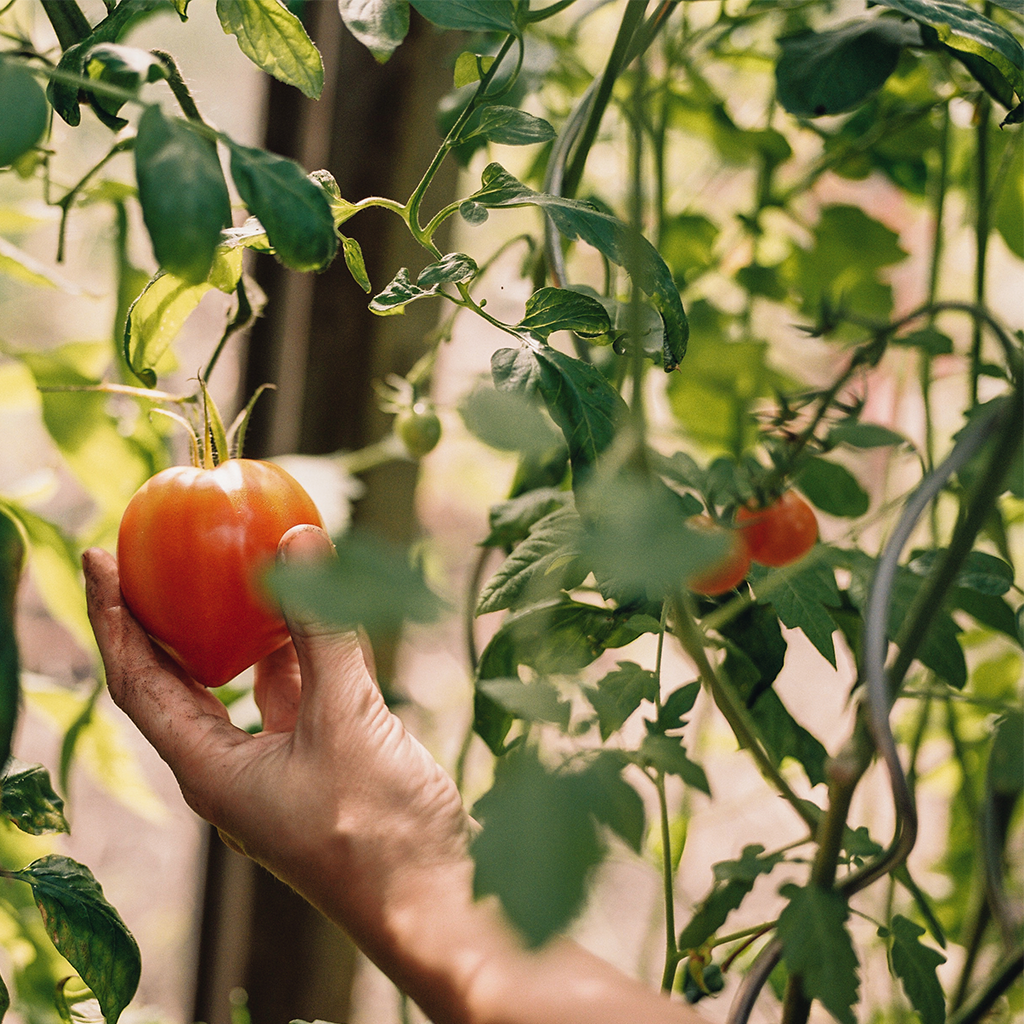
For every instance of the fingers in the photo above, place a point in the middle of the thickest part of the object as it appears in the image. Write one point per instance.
(277, 689)
(171, 710)
(333, 662)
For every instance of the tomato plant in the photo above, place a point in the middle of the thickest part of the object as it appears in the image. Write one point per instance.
(191, 548)
(780, 532)
(418, 428)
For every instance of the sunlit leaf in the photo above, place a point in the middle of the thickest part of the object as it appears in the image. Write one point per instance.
(380, 25)
(275, 41)
(559, 309)
(469, 15)
(509, 126)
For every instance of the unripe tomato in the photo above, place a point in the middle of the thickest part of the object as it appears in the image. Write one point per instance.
(730, 570)
(419, 429)
(780, 533)
(191, 549)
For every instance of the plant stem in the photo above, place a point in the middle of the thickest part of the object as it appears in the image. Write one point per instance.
(69, 23)
(667, 878)
(981, 232)
(1005, 973)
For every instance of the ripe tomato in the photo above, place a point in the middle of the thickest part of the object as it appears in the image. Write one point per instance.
(191, 547)
(780, 533)
(730, 570)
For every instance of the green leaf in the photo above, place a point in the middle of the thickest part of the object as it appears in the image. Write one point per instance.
(712, 397)
(841, 267)
(183, 195)
(583, 404)
(356, 264)
(928, 340)
(293, 209)
(667, 754)
(19, 265)
(470, 68)
(1006, 761)
(611, 799)
(380, 25)
(369, 584)
(29, 801)
(451, 269)
(508, 421)
(864, 435)
(508, 126)
(1009, 204)
(126, 67)
(162, 307)
(965, 29)
(12, 560)
(980, 571)
(619, 693)
(511, 520)
(756, 637)
(914, 964)
(86, 930)
(538, 845)
(275, 41)
(538, 701)
(678, 703)
(610, 237)
(545, 562)
(816, 946)
(831, 72)
(801, 600)
(559, 309)
(20, 92)
(469, 15)
(832, 488)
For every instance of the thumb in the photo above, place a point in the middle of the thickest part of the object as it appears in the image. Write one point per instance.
(327, 654)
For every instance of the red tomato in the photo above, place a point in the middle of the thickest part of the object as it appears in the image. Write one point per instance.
(730, 570)
(191, 548)
(780, 533)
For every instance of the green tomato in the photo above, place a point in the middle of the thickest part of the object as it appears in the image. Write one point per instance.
(418, 429)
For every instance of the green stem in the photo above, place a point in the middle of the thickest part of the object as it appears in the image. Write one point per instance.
(667, 878)
(981, 233)
(178, 86)
(68, 21)
(1006, 972)
(734, 709)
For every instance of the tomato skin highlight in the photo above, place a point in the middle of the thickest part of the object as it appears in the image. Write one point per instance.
(730, 570)
(781, 532)
(191, 548)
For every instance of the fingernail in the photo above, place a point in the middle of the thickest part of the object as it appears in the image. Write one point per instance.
(305, 544)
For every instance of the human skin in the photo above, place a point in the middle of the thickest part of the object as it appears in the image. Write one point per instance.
(341, 802)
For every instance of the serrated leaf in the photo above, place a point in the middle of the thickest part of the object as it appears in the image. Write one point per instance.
(293, 209)
(559, 309)
(610, 237)
(816, 946)
(29, 801)
(802, 600)
(619, 693)
(380, 25)
(678, 703)
(667, 754)
(834, 71)
(508, 126)
(538, 701)
(469, 15)
(453, 268)
(832, 488)
(450, 269)
(612, 800)
(756, 651)
(545, 562)
(184, 197)
(508, 421)
(510, 521)
(537, 848)
(914, 964)
(86, 930)
(275, 41)
(20, 92)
